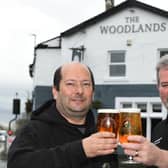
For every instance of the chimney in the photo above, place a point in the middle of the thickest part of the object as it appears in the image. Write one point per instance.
(109, 4)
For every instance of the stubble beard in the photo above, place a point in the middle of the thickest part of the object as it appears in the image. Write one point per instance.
(77, 113)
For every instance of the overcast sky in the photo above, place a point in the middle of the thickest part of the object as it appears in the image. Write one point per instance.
(45, 18)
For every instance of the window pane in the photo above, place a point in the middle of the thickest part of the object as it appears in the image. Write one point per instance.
(162, 53)
(156, 107)
(144, 126)
(143, 107)
(126, 105)
(117, 57)
(117, 70)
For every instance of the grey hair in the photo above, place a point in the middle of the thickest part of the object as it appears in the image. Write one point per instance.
(162, 64)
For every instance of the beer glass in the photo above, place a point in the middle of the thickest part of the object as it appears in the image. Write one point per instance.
(108, 120)
(130, 124)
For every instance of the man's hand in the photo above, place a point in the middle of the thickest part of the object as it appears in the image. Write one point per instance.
(100, 143)
(145, 152)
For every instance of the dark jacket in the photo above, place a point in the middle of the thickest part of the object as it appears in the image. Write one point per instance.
(49, 141)
(160, 136)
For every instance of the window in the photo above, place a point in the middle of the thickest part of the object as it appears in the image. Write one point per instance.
(142, 106)
(117, 67)
(157, 107)
(152, 110)
(126, 105)
(144, 126)
(163, 52)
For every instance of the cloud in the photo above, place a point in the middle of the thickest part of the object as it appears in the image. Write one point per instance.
(16, 48)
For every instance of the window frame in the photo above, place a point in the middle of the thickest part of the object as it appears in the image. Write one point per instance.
(149, 114)
(110, 52)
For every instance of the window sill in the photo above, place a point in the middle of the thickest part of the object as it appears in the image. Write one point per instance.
(115, 79)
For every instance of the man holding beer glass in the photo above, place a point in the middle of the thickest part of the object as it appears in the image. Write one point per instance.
(154, 155)
(108, 121)
(130, 124)
(62, 132)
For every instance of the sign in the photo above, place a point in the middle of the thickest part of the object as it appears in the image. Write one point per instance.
(10, 139)
(133, 25)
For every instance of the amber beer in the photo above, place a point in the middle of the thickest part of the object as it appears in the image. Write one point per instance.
(108, 120)
(130, 123)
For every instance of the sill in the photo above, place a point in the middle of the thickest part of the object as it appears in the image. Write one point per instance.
(115, 79)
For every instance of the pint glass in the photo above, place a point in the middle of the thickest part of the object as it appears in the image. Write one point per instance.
(108, 120)
(130, 124)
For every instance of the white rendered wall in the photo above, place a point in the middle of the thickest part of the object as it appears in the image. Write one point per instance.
(141, 56)
(46, 63)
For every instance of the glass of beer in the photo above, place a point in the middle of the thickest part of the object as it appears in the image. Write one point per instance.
(130, 124)
(108, 120)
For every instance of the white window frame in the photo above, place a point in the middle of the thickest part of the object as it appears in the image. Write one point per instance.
(149, 114)
(116, 63)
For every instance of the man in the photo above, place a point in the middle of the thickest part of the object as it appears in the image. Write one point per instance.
(61, 133)
(154, 154)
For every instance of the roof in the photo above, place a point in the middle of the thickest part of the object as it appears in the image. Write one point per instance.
(112, 11)
(48, 44)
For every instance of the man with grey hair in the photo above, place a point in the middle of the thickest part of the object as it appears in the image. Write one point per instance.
(162, 68)
(154, 155)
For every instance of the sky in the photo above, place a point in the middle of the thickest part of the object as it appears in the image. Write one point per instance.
(46, 19)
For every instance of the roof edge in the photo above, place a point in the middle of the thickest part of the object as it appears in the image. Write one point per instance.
(112, 11)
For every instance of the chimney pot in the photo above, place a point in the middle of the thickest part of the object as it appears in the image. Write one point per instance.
(109, 4)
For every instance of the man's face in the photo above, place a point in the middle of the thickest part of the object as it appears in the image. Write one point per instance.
(163, 86)
(76, 91)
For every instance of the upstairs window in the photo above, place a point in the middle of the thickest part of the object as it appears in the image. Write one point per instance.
(163, 52)
(117, 67)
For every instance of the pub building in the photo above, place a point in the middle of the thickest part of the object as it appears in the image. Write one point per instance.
(122, 46)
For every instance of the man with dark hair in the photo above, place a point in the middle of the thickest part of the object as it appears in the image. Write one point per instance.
(62, 132)
(154, 154)
(58, 77)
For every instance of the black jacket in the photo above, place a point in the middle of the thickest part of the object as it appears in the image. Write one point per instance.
(49, 141)
(160, 136)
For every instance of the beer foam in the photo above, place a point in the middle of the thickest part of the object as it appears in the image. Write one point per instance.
(108, 111)
(130, 110)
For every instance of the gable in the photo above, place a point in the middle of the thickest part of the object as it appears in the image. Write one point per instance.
(112, 12)
(132, 21)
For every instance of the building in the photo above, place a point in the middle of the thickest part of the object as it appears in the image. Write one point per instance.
(121, 46)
